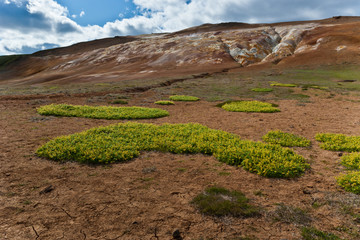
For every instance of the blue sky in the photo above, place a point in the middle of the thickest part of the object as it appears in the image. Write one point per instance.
(99, 12)
(31, 25)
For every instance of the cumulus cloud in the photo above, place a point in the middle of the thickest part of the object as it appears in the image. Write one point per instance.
(29, 25)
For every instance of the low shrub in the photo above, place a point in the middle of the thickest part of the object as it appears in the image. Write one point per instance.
(183, 98)
(351, 161)
(262, 89)
(218, 201)
(276, 84)
(249, 106)
(164, 102)
(350, 182)
(123, 142)
(311, 233)
(286, 139)
(338, 142)
(103, 112)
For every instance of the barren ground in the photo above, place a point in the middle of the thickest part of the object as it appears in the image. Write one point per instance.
(149, 197)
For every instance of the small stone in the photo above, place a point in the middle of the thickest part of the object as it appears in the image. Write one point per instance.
(177, 235)
(305, 191)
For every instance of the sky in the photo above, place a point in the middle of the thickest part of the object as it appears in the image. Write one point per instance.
(27, 26)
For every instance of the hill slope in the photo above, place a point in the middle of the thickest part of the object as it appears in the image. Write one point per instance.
(207, 48)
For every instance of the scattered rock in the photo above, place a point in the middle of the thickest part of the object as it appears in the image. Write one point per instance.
(306, 191)
(48, 189)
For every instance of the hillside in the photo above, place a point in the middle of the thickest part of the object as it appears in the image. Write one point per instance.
(207, 48)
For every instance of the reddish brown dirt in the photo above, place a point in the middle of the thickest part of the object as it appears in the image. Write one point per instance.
(126, 201)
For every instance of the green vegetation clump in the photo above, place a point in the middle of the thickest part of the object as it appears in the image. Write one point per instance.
(218, 201)
(119, 101)
(350, 181)
(276, 84)
(164, 102)
(351, 161)
(311, 233)
(250, 106)
(123, 142)
(103, 112)
(183, 98)
(262, 89)
(286, 139)
(338, 142)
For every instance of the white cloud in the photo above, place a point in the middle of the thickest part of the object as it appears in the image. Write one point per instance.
(48, 22)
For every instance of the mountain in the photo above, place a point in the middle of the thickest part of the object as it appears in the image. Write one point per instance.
(206, 48)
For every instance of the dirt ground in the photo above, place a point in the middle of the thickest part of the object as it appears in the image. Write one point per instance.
(149, 197)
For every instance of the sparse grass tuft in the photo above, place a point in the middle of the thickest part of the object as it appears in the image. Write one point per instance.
(311, 233)
(276, 84)
(249, 106)
(164, 102)
(289, 214)
(338, 142)
(183, 98)
(103, 112)
(286, 139)
(262, 90)
(123, 142)
(218, 201)
(350, 182)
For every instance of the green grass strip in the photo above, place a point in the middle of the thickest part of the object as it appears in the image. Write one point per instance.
(338, 142)
(183, 98)
(123, 142)
(103, 112)
(286, 139)
(250, 106)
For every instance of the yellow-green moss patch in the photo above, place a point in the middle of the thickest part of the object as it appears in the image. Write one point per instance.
(262, 89)
(183, 98)
(351, 161)
(249, 106)
(338, 142)
(276, 84)
(103, 112)
(350, 182)
(162, 102)
(123, 142)
(286, 139)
